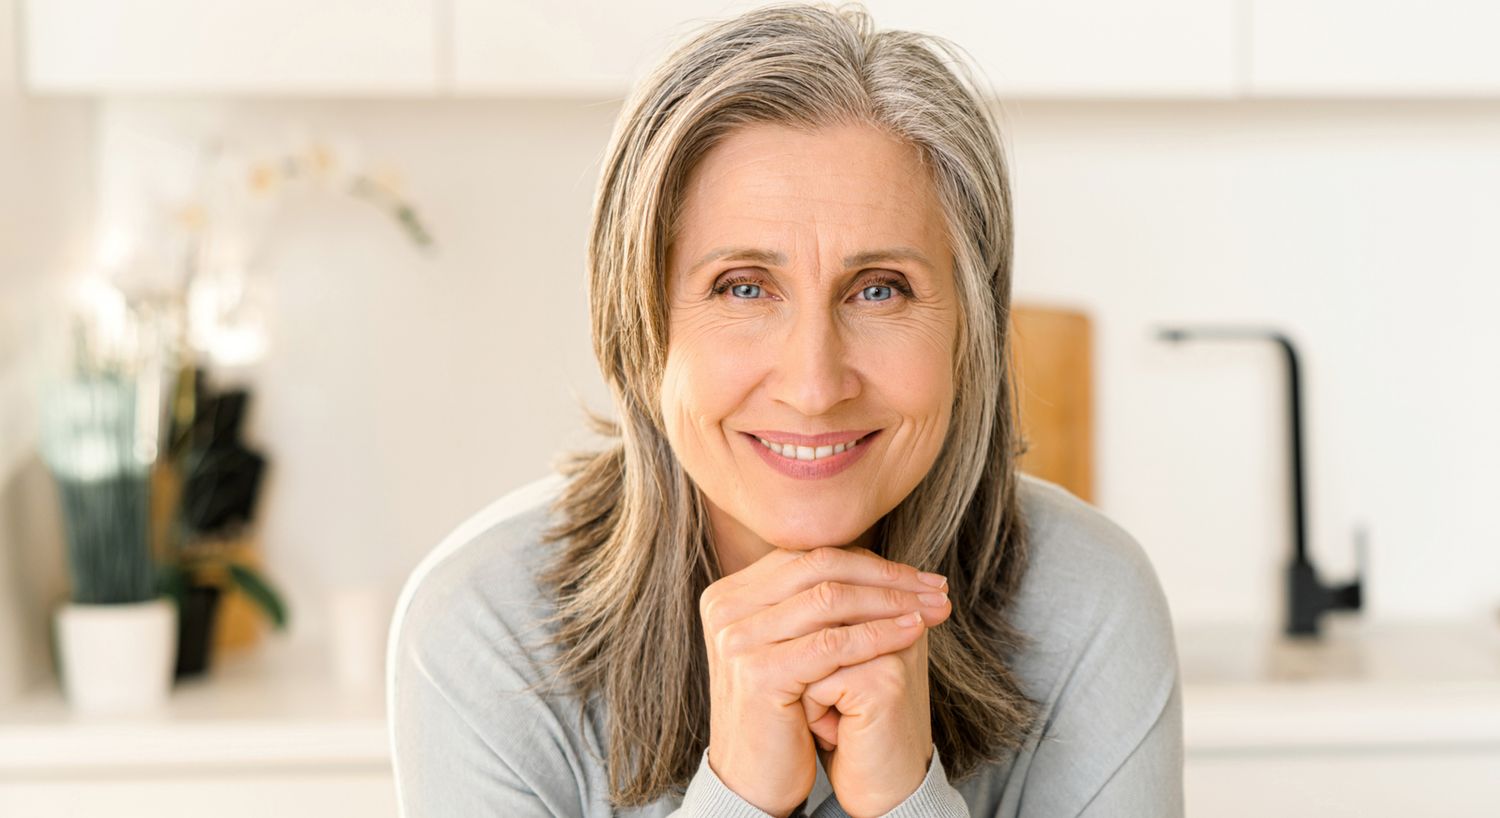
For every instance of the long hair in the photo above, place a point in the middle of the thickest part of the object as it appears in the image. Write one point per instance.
(636, 549)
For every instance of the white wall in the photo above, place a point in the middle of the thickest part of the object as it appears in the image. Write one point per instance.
(1364, 229)
(402, 393)
(46, 176)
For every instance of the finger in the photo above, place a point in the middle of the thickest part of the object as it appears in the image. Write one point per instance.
(830, 693)
(813, 710)
(861, 550)
(809, 658)
(843, 690)
(830, 604)
(826, 729)
(782, 573)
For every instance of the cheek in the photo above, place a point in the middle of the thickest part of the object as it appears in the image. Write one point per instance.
(702, 385)
(912, 370)
(910, 374)
(921, 385)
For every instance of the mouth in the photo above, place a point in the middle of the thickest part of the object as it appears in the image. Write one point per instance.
(807, 457)
(811, 448)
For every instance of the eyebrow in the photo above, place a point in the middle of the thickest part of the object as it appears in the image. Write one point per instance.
(859, 259)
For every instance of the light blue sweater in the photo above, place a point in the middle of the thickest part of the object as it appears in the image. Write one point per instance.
(466, 743)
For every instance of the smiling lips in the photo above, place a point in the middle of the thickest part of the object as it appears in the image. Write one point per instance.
(810, 456)
(792, 450)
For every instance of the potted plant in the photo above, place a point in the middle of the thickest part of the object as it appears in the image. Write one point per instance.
(216, 477)
(115, 637)
(220, 481)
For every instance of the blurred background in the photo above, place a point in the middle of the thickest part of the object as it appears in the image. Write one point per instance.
(302, 286)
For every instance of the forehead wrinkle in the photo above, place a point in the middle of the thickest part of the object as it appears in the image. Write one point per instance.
(739, 163)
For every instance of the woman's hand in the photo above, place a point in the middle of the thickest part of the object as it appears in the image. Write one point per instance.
(788, 620)
(874, 727)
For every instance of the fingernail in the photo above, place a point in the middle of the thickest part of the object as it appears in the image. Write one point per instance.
(935, 580)
(933, 600)
(910, 619)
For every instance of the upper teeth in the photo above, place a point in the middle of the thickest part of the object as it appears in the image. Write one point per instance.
(807, 452)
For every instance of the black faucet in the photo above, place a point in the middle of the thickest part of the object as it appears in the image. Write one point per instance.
(1307, 597)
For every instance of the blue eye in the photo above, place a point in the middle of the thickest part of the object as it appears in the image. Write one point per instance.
(746, 290)
(877, 292)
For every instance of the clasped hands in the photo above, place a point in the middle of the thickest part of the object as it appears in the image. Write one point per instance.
(815, 653)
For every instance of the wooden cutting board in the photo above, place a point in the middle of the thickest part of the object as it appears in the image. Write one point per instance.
(1051, 352)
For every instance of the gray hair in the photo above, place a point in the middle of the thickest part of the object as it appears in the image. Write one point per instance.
(637, 549)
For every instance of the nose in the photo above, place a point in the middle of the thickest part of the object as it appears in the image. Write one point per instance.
(812, 373)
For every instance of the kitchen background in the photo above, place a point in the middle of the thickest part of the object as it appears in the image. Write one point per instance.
(1328, 168)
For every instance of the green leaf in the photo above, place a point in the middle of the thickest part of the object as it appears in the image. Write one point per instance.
(260, 592)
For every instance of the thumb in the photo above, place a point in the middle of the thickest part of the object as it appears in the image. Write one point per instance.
(826, 729)
(823, 720)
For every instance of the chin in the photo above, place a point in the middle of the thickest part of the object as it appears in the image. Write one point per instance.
(812, 527)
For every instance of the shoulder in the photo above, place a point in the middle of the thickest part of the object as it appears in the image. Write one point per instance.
(1101, 645)
(470, 732)
(1099, 658)
(476, 588)
(1100, 661)
(1083, 569)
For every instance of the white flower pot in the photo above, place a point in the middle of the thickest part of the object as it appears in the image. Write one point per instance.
(117, 658)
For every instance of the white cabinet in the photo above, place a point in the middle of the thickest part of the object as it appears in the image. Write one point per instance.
(482, 48)
(1026, 48)
(1373, 720)
(1085, 48)
(1054, 49)
(1358, 48)
(568, 47)
(1373, 782)
(305, 792)
(267, 732)
(283, 47)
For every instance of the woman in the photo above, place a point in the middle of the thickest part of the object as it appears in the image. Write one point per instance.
(799, 280)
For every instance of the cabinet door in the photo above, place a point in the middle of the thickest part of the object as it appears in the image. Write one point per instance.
(1371, 782)
(569, 47)
(1027, 48)
(285, 47)
(1384, 48)
(307, 792)
(1086, 48)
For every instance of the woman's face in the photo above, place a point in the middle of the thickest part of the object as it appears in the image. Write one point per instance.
(813, 305)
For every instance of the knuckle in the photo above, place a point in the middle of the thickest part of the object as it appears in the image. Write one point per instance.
(822, 558)
(830, 641)
(730, 640)
(895, 600)
(826, 595)
(891, 571)
(708, 607)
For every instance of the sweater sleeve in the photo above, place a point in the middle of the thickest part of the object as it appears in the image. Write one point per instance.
(446, 767)
(707, 794)
(470, 737)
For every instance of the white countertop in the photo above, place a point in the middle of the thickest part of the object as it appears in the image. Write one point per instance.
(276, 704)
(1367, 685)
(1363, 685)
